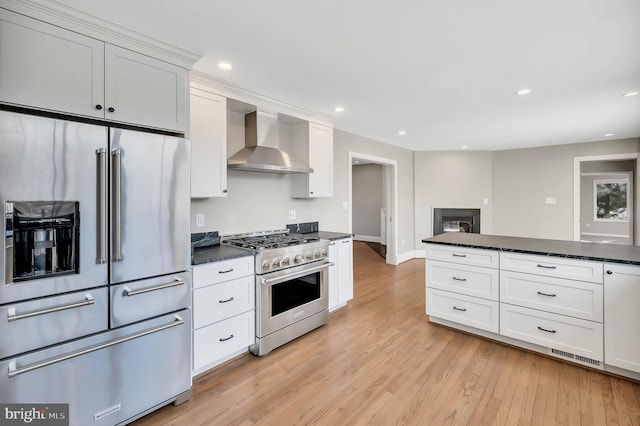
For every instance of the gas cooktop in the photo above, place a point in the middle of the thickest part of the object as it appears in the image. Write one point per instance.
(268, 240)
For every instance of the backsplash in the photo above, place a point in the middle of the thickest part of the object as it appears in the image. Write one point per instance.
(303, 228)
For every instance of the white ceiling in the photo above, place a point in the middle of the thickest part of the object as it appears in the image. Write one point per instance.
(446, 71)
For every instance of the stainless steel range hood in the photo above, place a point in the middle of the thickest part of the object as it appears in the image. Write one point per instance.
(261, 152)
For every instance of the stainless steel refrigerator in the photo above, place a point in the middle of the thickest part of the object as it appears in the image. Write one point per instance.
(94, 277)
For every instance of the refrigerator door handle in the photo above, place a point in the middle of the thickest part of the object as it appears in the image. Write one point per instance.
(14, 370)
(128, 292)
(13, 316)
(101, 205)
(116, 203)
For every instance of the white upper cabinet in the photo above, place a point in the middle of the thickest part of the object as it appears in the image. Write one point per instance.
(143, 90)
(47, 67)
(208, 134)
(313, 144)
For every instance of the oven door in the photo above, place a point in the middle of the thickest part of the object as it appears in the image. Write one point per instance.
(288, 296)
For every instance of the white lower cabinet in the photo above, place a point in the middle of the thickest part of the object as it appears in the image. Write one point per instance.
(223, 311)
(622, 316)
(563, 333)
(466, 310)
(341, 273)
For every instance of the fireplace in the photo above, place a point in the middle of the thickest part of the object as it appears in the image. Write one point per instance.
(456, 220)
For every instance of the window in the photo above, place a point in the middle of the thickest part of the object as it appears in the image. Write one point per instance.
(611, 200)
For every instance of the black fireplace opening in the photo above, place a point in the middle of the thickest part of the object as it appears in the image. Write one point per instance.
(456, 220)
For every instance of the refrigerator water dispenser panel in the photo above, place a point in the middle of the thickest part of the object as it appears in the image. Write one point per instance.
(42, 239)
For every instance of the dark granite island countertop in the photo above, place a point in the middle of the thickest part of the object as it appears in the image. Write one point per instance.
(209, 254)
(559, 248)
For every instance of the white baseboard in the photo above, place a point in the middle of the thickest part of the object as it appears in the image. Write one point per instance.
(403, 257)
(366, 238)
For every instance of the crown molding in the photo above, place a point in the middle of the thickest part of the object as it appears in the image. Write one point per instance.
(71, 18)
(220, 87)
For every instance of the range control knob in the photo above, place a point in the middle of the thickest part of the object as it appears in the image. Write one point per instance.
(324, 253)
(285, 261)
(276, 263)
(266, 265)
(298, 259)
(317, 254)
(309, 255)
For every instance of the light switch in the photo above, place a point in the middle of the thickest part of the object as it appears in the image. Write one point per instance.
(550, 200)
(199, 220)
(292, 214)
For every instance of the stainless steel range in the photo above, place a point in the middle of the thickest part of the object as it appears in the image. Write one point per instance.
(291, 285)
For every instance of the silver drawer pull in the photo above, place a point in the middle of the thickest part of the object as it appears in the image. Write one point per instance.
(458, 255)
(545, 330)
(459, 279)
(226, 271)
(128, 292)
(546, 294)
(460, 309)
(226, 300)
(88, 300)
(224, 339)
(13, 371)
(546, 267)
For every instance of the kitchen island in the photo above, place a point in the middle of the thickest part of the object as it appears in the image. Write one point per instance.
(570, 300)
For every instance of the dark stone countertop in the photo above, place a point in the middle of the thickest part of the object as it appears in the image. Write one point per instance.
(559, 248)
(331, 236)
(216, 253)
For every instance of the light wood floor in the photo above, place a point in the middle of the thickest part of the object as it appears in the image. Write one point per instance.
(379, 361)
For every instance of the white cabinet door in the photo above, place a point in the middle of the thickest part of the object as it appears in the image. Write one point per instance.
(208, 134)
(333, 275)
(313, 143)
(345, 269)
(143, 90)
(622, 316)
(47, 67)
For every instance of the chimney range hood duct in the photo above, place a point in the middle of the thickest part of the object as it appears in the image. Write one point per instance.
(261, 152)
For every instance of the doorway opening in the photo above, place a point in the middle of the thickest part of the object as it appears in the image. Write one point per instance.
(379, 209)
(605, 199)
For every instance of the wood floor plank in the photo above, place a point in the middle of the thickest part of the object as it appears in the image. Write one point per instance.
(379, 361)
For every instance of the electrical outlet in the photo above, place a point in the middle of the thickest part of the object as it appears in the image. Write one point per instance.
(199, 220)
(345, 205)
(485, 201)
(292, 215)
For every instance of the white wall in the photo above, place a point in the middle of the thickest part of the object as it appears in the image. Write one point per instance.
(522, 178)
(452, 179)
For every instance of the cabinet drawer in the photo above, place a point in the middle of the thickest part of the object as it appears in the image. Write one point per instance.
(219, 301)
(469, 280)
(218, 340)
(550, 266)
(573, 335)
(566, 297)
(471, 311)
(225, 270)
(467, 256)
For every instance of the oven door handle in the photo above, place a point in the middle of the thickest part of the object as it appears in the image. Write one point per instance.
(287, 277)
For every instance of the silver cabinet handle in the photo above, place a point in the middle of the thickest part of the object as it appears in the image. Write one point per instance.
(101, 206)
(460, 309)
(116, 203)
(12, 316)
(458, 255)
(224, 339)
(546, 294)
(546, 267)
(459, 279)
(545, 330)
(128, 292)
(13, 371)
(226, 300)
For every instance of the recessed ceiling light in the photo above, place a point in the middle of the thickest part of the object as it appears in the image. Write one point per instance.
(224, 66)
(608, 134)
(339, 109)
(402, 132)
(523, 92)
(631, 94)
